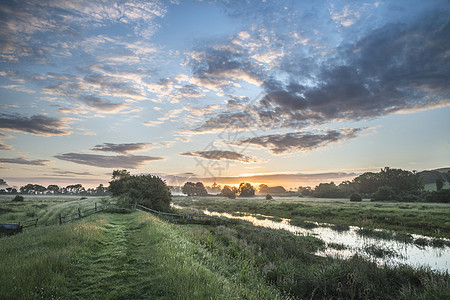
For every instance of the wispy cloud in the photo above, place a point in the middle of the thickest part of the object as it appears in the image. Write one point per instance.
(103, 161)
(219, 155)
(5, 147)
(23, 161)
(37, 124)
(121, 148)
(300, 141)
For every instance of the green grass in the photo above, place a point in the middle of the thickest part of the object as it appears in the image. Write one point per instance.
(45, 208)
(432, 219)
(118, 256)
(133, 255)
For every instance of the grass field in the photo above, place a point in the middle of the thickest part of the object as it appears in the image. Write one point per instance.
(139, 256)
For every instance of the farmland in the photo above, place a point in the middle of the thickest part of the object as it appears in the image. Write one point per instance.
(137, 255)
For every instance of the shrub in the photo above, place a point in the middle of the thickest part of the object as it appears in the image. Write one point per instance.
(18, 198)
(355, 198)
(269, 197)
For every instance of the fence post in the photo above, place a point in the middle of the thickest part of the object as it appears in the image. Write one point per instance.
(95, 206)
(35, 224)
(60, 219)
(79, 213)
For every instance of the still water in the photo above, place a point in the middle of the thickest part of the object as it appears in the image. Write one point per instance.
(401, 253)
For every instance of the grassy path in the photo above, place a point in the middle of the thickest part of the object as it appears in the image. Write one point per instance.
(117, 256)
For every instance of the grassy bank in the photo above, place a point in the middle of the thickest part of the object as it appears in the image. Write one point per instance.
(117, 256)
(432, 219)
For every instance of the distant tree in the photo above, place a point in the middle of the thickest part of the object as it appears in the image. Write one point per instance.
(447, 175)
(400, 181)
(327, 190)
(269, 197)
(53, 188)
(147, 190)
(100, 190)
(384, 193)
(75, 188)
(194, 189)
(264, 189)
(3, 182)
(229, 192)
(347, 187)
(367, 183)
(305, 191)
(246, 190)
(200, 189)
(32, 189)
(439, 183)
(214, 189)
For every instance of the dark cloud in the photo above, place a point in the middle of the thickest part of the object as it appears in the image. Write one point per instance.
(218, 155)
(38, 124)
(394, 68)
(397, 67)
(301, 141)
(120, 148)
(24, 161)
(103, 161)
(221, 67)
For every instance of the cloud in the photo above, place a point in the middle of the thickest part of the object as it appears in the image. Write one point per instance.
(120, 148)
(103, 161)
(37, 124)
(300, 141)
(394, 68)
(219, 155)
(23, 161)
(5, 147)
(222, 66)
(21, 21)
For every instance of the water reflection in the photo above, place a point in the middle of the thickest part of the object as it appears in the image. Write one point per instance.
(391, 252)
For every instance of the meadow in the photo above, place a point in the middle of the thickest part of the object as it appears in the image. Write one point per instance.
(135, 255)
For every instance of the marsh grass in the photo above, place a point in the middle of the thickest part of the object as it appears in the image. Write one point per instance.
(431, 219)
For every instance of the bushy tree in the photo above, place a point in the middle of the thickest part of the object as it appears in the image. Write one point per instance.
(229, 192)
(355, 197)
(384, 193)
(147, 190)
(269, 197)
(194, 189)
(246, 190)
(327, 190)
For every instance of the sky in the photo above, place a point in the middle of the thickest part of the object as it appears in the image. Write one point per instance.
(288, 93)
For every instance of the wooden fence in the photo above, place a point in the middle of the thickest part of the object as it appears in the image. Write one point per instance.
(80, 214)
(183, 216)
(97, 208)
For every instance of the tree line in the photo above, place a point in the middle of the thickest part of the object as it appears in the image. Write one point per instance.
(387, 185)
(53, 189)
